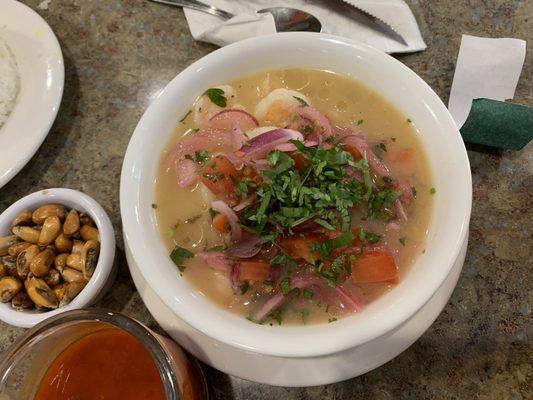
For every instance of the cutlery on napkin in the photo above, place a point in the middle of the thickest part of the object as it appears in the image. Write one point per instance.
(338, 17)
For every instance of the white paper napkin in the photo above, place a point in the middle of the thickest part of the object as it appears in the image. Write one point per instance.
(486, 68)
(336, 17)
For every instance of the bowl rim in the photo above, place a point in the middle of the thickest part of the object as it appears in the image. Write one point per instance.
(275, 346)
(104, 268)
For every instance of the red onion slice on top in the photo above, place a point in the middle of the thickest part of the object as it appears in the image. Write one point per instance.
(216, 260)
(186, 173)
(303, 281)
(226, 119)
(236, 231)
(261, 145)
(248, 247)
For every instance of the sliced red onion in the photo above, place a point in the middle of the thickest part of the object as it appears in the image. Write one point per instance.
(261, 145)
(225, 119)
(186, 173)
(271, 304)
(359, 142)
(236, 231)
(216, 260)
(234, 279)
(400, 210)
(307, 115)
(405, 189)
(248, 247)
(286, 147)
(303, 281)
(243, 204)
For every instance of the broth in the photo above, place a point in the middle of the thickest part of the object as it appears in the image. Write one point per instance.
(184, 220)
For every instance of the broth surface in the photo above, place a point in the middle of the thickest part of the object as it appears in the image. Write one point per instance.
(109, 364)
(183, 217)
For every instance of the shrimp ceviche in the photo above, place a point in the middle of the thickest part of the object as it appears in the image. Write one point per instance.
(294, 196)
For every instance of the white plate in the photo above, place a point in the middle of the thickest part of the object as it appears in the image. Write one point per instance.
(42, 74)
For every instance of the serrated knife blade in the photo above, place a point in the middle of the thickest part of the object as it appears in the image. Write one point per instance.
(387, 28)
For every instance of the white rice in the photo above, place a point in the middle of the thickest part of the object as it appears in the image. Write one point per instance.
(9, 81)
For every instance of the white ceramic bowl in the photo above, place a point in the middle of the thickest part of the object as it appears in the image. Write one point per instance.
(212, 327)
(105, 271)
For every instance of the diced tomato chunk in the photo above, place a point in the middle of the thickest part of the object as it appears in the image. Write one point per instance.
(353, 151)
(254, 270)
(300, 161)
(374, 266)
(221, 223)
(217, 177)
(300, 248)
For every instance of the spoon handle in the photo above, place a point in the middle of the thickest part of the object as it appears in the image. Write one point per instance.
(199, 6)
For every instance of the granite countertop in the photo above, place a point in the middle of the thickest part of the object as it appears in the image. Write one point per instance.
(120, 53)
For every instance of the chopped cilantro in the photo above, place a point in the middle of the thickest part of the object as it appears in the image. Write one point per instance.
(154, 206)
(242, 186)
(212, 213)
(308, 294)
(360, 122)
(276, 316)
(402, 240)
(285, 286)
(283, 259)
(413, 191)
(268, 282)
(216, 95)
(301, 101)
(333, 319)
(369, 237)
(193, 219)
(179, 255)
(185, 116)
(383, 147)
(432, 190)
(393, 139)
(409, 120)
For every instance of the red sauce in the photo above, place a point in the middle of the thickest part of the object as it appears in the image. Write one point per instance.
(106, 365)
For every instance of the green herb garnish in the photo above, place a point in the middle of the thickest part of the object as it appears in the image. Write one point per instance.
(402, 240)
(305, 315)
(179, 255)
(413, 191)
(383, 147)
(301, 101)
(154, 206)
(276, 316)
(216, 95)
(193, 219)
(360, 122)
(308, 294)
(185, 116)
(369, 237)
(285, 286)
(432, 190)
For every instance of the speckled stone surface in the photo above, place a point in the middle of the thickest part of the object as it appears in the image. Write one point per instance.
(120, 53)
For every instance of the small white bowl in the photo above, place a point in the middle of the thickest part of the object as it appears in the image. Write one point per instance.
(105, 271)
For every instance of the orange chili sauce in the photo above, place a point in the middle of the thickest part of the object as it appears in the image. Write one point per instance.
(109, 364)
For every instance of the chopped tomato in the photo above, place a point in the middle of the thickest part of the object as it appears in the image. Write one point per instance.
(217, 177)
(300, 161)
(221, 223)
(353, 151)
(300, 248)
(374, 266)
(254, 270)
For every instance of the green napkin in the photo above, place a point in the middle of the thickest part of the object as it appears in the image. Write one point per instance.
(498, 124)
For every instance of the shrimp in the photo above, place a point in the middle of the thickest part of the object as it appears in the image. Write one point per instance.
(204, 108)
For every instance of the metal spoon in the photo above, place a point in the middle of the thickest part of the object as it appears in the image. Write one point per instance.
(286, 19)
